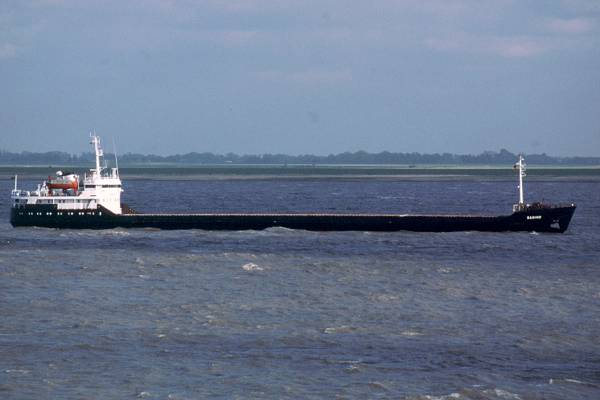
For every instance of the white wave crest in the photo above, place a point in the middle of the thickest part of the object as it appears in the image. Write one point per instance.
(411, 333)
(252, 267)
(338, 329)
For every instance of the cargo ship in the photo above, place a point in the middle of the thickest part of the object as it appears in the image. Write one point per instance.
(94, 202)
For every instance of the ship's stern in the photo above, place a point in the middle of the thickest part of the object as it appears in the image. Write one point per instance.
(14, 217)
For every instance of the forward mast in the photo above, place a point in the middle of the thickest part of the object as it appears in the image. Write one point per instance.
(520, 166)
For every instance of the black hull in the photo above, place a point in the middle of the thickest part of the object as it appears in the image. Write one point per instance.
(546, 219)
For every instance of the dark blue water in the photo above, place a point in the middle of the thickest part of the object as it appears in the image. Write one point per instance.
(291, 314)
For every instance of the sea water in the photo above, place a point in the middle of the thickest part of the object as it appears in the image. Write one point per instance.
(286, 314)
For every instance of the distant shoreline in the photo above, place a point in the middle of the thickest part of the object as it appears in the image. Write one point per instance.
(357, 158)
(228, 172)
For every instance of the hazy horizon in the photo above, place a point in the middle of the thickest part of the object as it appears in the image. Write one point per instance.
(108, 150)
(109, 154)
(314, 77)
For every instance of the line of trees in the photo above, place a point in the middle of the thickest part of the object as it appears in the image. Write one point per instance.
(359, 157)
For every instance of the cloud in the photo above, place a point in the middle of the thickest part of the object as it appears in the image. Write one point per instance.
(510, 47)
(327, 28)
(7, 50)
(309, 76)
(230, 37)
(581, 6)
(570, 26)
(518, 47)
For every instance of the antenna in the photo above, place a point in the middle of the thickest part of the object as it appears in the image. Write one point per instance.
(15, 182)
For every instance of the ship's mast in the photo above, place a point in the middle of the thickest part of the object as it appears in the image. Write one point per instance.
(521, 165)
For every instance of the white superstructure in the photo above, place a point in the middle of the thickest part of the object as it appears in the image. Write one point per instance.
(101, 186)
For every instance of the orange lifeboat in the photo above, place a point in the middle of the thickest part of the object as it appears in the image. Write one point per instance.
(64, 181)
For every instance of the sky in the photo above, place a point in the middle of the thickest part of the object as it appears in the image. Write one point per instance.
(297, 77)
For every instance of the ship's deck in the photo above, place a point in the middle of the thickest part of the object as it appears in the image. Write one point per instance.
(306, 215)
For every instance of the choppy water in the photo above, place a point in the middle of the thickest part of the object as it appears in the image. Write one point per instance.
(291, 314)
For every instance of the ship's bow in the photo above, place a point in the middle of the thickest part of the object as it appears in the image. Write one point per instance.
(563, 216)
